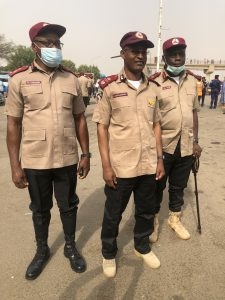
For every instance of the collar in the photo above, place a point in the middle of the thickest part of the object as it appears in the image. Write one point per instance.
(36, 67)
(166, 76)
(122, 77)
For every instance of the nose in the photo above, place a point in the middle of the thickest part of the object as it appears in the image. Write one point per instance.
(178, 56)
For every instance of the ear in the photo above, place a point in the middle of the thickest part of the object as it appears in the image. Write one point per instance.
(163, 58)
(122, 53)
(34, 48)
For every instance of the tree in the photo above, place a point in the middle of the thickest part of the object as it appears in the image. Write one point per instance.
(22, 56)
(90, 69)
(5, 48)
(69, 65)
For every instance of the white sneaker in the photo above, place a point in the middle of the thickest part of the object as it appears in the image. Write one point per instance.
(109, 267)
(150, 259)
(175, 224)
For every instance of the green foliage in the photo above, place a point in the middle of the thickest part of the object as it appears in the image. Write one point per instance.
(5, 48)
(90, 69)
(69, 65)
(22, 56)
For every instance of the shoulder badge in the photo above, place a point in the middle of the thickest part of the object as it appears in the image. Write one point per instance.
(21, 69)
(105, 81)
(154, 76)
(67, 70)
(194, 75)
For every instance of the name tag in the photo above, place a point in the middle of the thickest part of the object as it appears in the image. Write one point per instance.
(120, 95)
(33, 82)
(166, 87)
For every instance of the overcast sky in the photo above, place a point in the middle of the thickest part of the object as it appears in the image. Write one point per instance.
(95, 27)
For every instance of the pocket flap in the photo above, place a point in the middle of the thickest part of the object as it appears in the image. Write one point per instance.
(69, 132)
(34, 135)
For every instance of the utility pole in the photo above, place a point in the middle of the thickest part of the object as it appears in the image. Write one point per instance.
(159, 35)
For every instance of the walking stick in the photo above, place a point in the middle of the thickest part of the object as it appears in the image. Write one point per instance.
(195, 167)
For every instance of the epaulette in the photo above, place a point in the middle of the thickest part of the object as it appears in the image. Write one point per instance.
(67, 70)
(192, 74)
(105, 81)
(21, 69)
(154, 76)
(155, 82)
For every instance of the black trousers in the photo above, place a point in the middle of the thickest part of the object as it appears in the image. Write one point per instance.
(214, 99)
(86, 101)
(177, 171)
(42, 183)
(143, 188)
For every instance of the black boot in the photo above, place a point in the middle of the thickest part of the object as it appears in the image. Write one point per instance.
(39, 261)
(77, 262)
(41, 223)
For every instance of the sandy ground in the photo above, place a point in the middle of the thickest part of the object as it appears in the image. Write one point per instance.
(190, 270)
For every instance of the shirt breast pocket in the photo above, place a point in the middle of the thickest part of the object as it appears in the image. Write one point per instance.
(191, 94)
(33, 96)
(167, 101)
(121, 110)
(68, 94)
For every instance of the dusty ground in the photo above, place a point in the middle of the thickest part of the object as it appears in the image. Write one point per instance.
(190, 270)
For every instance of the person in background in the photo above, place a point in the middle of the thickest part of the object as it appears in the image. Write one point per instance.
(129, 139)
(199, 88)
(222, 98)
(204, 87)
(85, 85)
(215, 86)
(178, 105)
(45, 117)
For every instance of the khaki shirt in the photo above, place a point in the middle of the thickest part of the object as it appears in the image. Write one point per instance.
(130, 114)
(47, 104)
(84, 84)
(176, 105)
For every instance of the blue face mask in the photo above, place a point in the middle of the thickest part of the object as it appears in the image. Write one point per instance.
(51, 57)
(175, 70)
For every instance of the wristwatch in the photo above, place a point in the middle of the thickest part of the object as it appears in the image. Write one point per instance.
(160, 157)
(83, 155)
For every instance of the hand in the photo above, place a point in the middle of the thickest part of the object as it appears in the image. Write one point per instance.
(19, 178)
(84, 167)
(196, 150)
(160, 171)
(110, 177)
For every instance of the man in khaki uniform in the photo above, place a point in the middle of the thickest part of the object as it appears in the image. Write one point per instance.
(178, 104)
(130, 148)
(85, 85)
(45, 116)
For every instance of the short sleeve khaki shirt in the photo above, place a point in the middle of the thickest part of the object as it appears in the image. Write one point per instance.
(176, 105)
(129, 114)
(47, 105)
(85, 84)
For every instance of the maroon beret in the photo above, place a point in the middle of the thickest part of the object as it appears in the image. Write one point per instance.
(177, 41)
(41, 27)
(135, 37)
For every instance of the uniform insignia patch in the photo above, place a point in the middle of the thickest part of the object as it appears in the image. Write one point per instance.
(105, 81)
(33, 82)
(166, 87)
(21, 69)
(151, 102)
(119, 95)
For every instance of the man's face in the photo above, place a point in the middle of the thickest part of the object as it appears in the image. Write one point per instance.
(175, 56)
(135, 57)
